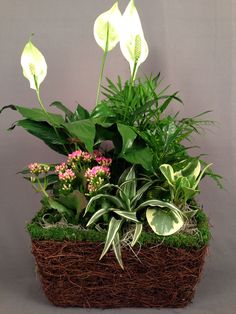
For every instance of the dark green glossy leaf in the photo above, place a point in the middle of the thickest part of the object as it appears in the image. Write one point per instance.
(46, 133)
(63, 108)
(128, 136)
(84, 130)
(37, 114)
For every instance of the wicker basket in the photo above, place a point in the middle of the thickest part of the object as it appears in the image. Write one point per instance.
(154, 276)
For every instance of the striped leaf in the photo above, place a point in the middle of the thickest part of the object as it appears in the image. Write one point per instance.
(113, 228)
(97, 215)
(117, 249)
(128, 215)
(137, 232)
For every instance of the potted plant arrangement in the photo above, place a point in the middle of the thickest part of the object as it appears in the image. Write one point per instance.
(119, 224)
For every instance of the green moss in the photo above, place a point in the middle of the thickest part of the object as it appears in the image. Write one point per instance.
(179, 240)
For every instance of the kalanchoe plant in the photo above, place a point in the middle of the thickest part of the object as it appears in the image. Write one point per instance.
(145, 179)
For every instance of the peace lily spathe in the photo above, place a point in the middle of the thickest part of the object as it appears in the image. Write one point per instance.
(132, 42)
(107, 28)
(34, 65)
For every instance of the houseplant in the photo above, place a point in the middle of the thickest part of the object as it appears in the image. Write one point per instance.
(145, 178)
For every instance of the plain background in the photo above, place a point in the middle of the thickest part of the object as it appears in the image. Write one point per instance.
(193, 44)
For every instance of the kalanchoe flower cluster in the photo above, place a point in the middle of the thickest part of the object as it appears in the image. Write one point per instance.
(103, 161)
(96, 177)
(67, 177)
(61, 168)
(79, 155)
(36, 168)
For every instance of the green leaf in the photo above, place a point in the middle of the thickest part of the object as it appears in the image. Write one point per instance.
(63, 108)
(103, 113)
(200, 176)
(163, 221)
(75, 200)
(140, 193)
(80, 113)
(158, 203)
(113, 228)
(193, 169)
(129, 186)
(137, 232)
(113, 199)
(139, 155)
(59, 207)
(167, 102)
(168, 173)
(128, 215)
(117, 249)
(37, 114)
(46, 133)
(84, 130)
(128, 136)
(96, 216)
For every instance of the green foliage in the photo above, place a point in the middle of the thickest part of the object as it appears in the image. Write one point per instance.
(180, 240)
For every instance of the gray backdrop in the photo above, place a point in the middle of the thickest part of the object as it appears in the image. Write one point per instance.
(192, 43)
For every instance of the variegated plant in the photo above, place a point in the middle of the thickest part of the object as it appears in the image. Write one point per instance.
(125, 205)
(183, 184)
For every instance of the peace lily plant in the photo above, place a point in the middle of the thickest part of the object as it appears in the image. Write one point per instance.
(146, 181)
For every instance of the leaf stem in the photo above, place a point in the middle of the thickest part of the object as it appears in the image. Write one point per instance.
(42, 189)
(102, 66)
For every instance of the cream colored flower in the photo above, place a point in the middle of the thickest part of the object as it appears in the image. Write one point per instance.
(132, 42)
(107, 28)
(34, 65)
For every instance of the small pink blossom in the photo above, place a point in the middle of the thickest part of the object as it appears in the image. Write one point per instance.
(37, 168)
(67, 176)
(97, 171)
(97, 153)
(87, 156)
(61, 168)
(103, 161)
(75, 156)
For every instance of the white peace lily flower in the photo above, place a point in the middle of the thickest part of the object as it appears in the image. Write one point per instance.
(111, 18)
(34, 65)
(132, 42)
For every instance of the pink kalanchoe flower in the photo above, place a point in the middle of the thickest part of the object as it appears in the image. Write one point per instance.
(103, 161)
(75, 156)
(87, 157)
(35, 168)
(67, 176)
(97, 171)
(97, 153)
(61, 168)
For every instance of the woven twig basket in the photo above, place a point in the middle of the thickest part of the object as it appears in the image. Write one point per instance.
(158, 276)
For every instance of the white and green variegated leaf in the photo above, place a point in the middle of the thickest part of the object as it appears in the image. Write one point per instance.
(157, 203)
(113, 199)
(164, 222)
(129, 186)
(192, 169)
(168, 173)
(200, 176)
(117, 249)
(97, 215)
(137, 232)
(139, 194)
(113, 228)
(128, 215)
